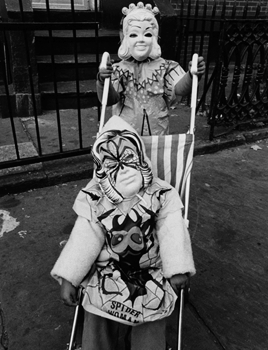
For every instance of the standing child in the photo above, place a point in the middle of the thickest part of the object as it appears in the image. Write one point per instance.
(129, 245)
(144, 85)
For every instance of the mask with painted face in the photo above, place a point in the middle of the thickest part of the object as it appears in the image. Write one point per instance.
(140, 33)
(121, 168)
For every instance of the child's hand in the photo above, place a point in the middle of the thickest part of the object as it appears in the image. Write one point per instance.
(106, 72)
(68, 293)
(179, 281)
(201, 66)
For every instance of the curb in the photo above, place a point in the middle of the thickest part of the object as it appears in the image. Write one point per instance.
(49, 174)
(234, 140)
(60, 171)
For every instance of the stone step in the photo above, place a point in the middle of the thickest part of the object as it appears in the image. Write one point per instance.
(66, 45)
(66, 16)
(67, 95)
(63, 42)
(67, 59)
(4, 105)
(65, 67)
(80, 33)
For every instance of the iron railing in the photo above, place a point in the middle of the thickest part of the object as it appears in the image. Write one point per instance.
(25, 27)
(207, 30)
(231, 41)
(240, 95)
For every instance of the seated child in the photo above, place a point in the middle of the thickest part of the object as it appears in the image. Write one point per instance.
(144, 85)
(129, 247)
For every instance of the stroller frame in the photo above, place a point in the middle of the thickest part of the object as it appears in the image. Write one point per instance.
(184, 290)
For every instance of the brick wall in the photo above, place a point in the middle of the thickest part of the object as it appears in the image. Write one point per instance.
(211, 39)
(240, 6)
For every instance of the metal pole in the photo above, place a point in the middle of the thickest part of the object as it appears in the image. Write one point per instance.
(192, 126)
(104, 60)
(80, 297)
(180, 319)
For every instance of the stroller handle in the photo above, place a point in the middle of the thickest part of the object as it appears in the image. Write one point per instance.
(105, 58)
(194, 64)
(192, 127)
(194, 71)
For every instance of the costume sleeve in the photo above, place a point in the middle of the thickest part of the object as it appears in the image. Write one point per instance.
(114, 88)
(177, 82)
(80, 252)
(184, 85)
(85, 202)
(174, 239)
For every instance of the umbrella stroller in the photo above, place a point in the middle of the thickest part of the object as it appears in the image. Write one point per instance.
(171, 157)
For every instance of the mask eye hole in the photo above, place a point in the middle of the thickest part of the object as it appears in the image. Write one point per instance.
(148, 35)
(130, 157)
(133, 35)
(109, 165)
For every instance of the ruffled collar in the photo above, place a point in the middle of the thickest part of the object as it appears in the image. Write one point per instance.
(144, 73)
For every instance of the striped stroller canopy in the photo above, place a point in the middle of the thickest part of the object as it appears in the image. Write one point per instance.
(171, 157)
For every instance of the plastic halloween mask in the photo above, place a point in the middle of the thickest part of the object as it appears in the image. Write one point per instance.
(140, 33)
(121, 168)
(122, 165)
(140, 39)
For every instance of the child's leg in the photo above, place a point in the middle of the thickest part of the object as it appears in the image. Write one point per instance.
(99, 333)
(149, 336)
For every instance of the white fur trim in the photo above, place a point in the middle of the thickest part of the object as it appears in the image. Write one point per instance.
(174, 239)
(80, 252)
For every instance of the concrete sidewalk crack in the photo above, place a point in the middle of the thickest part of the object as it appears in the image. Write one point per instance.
(195, 312)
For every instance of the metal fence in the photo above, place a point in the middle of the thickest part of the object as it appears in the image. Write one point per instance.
(22, 28)
(232, 92)
(240, 91)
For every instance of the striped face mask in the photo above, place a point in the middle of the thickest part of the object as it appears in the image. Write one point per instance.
(113, 151)
(117, 154)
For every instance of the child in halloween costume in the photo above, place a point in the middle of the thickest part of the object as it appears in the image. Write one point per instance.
(144, 85)
(129, 243)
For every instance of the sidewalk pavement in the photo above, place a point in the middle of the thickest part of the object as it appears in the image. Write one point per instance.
(228, 226)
